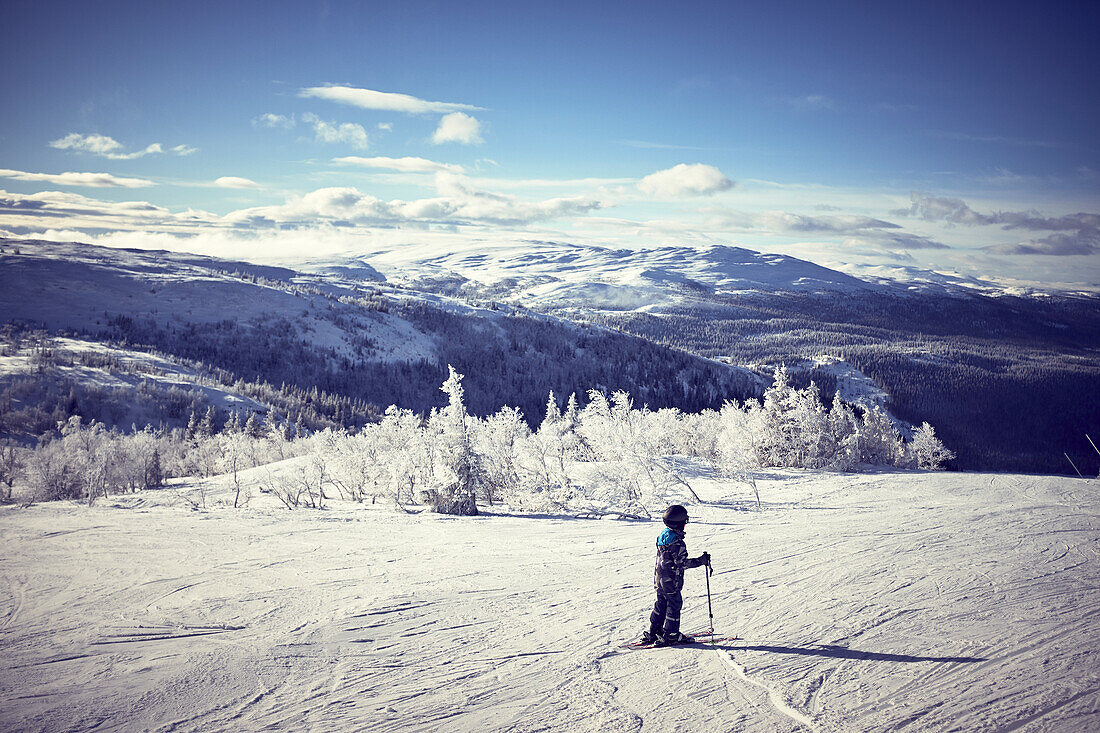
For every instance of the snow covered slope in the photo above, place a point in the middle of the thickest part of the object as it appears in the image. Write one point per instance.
(864, 602)
(75, 286)
(113, 368)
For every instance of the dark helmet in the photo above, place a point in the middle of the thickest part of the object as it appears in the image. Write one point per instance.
(675, 517)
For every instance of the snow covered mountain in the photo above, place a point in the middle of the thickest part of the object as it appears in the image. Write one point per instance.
(554, 274)
(345, 345)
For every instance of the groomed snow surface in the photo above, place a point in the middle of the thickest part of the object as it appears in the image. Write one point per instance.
(911, 601)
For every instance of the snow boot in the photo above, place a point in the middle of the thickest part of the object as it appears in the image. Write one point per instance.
(674, 639)
(648, 637)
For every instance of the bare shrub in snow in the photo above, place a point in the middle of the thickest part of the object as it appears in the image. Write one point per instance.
(233, 455)
(354, 462)
(11, 468)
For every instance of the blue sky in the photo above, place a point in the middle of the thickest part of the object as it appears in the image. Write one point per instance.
(877, 136)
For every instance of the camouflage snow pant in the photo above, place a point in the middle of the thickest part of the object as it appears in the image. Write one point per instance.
(665, 618)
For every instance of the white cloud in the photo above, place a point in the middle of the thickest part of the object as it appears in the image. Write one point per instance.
(88, 180)
(235, 182)
(342, 132)
(96, 144)
(685, 180)
(385, 126)
(405, 165)
(458, 127)
(107, 147)
(458, 203)
(269, 119)
(386, 101)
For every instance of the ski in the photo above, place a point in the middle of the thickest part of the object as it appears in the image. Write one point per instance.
(700, 640)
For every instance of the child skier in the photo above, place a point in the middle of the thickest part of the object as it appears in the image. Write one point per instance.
(668, 579)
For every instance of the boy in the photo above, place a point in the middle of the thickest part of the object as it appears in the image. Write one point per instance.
(668, 579)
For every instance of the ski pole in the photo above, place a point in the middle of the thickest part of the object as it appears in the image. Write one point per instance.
(710, 610)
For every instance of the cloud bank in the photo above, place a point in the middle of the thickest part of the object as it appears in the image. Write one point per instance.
(87, 180)
(1074, 234)
(1061, 244)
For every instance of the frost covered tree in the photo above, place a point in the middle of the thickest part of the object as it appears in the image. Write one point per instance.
(252, 426)
(459, 473)
(879, 441)
(780, 433)
(928, 452)
(557, 435)
(595, 428)
(634, 448)
(402, 438)
(499, 438)
(737, 447)
(844, 428)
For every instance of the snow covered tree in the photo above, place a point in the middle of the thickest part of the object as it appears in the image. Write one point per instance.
(595, 428)
(553, 414)
(407, 456)
(927, 450)
(738, 443)
(252, 426)
(778, 441)
(844, 429)
(879, 442)
(498, 439)
(232, 458)
(233, 424)
(460, 474)
(208, 426)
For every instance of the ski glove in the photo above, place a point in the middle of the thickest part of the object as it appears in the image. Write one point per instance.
(704, 559)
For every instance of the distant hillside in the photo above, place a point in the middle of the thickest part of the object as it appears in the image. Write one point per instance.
(337, 345)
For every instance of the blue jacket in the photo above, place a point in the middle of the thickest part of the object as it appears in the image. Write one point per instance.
(672, 559)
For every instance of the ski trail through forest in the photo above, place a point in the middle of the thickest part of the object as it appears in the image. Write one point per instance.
(861, 603)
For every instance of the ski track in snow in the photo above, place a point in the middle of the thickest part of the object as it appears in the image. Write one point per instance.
(874, 602)
(774, 697)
